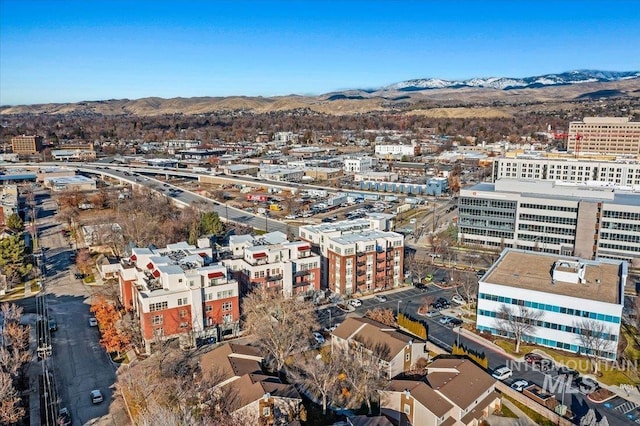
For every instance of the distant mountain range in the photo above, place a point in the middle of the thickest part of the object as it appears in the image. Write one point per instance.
(507, 83)
(497, 95)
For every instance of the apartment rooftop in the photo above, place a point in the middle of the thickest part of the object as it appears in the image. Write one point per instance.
(599, 280)
(364, 236)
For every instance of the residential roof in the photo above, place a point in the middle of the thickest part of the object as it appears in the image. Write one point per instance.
(476, 413)
(251, 387)
(385, 341)
(422, 393)
(459, 379)
(230, 360)
(531, 271)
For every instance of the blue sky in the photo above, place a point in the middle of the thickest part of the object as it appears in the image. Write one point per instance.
(67, 51)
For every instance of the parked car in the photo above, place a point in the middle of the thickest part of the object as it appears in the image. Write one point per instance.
(96, 396)
(319, 337)
(444, 302)
(420, 286)
(458, 299)
(445, 320)
(64, 417)
(432, 313)
(356, 303)
(586, 385)
(93, 322)
(53, 325)
(381, 298)
(531, 357)
(79, 276)
(569, 372)
(502, 373)
(545, 364)
(480, 273)
(455, 322)
(519, 385)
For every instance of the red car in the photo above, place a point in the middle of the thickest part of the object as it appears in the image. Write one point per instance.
(532, 358)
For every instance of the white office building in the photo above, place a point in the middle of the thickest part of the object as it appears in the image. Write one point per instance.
(623, 173)
(358, 164)
(396, 151)
(573, 296)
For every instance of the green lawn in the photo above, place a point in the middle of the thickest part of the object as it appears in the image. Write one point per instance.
(610, 374)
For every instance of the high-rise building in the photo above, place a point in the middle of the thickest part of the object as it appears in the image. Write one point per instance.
(608, 135)
(26, 144)
(552, 217)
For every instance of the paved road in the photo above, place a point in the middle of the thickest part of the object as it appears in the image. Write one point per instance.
(79, 363)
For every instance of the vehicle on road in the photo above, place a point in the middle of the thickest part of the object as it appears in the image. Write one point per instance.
(432, 313)
(356, 303)
(79, 276)
(502, 373)
(64, 417)
(96, 396)
(381, 298)
(53, 325)
(519, 385)
(319, 337)
(545, 364)
(455, 322)
(93, 322)
(458, 299)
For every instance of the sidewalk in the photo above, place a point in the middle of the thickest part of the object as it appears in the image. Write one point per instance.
(484, 342)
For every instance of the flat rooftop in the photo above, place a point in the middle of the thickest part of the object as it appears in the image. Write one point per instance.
(533, 271)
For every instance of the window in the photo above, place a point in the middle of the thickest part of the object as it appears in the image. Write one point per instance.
(226, 306)
(183, 313)
(158, 306)
(266, 411)
(182, 301)
(407, 356)
(156, 320)
(208, 308)
(227, 318)
(406, 409)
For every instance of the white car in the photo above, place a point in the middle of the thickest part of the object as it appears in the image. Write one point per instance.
(519, 385)
(93, 322)
(96, 396)
(381, 298)
(502, 373)
(319, 337)
(458, 299)
(356, 303)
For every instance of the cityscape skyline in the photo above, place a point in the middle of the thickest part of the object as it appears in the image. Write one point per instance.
(74, 51)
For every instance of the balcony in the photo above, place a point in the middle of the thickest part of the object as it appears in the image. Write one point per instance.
(274, 277)
(301, 273)
(362, 263)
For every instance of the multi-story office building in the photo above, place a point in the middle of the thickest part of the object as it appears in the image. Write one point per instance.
(26, 144)
(616, 135)
(358, 164)
(621, 173)
(270, 260)
(396, 151)
(568, 297)
(178, 292)
(566, 219)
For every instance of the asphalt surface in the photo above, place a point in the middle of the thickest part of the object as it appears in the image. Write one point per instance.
(78, 361)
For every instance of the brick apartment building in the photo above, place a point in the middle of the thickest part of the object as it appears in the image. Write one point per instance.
(178, 291)
(272, 261)
(26, 144)
(358, 255)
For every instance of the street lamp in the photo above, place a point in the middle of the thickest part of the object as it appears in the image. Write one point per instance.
(398, 311)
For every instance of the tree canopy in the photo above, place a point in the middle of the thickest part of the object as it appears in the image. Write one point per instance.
(13, 262)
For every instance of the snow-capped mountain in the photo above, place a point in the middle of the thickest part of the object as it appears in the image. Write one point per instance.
(506, 83)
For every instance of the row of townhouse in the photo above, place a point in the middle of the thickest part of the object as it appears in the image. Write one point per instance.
(454, 391)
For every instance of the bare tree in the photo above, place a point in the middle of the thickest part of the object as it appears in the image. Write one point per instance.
(518, 322)
(317, 374)
(467, 285)
(384, 316)
(594, 337)
(11, 412)
(420, 267)
(364, 374)
(281, 325)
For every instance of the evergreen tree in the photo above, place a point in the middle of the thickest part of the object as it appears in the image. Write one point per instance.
(210, 223)
(12, 258)
(15, 223)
